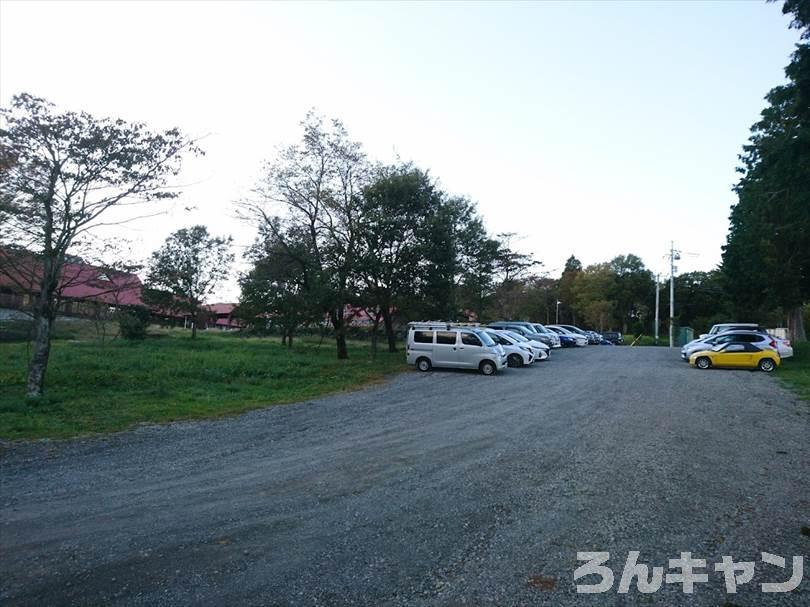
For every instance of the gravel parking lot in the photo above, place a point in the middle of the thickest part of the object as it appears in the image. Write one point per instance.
(445, 488)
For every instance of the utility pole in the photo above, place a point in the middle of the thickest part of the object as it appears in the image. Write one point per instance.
(556, 322)
(657, 298)
(673, 255)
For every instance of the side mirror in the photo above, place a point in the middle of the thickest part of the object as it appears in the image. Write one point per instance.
(703, 335)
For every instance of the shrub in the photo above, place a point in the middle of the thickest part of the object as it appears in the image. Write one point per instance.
(133, 322)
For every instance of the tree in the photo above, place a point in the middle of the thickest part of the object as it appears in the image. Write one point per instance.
(766, 260)
(701, 300)
(572, 269)
(396, 205)
(593, 295)
(318, 186)
(633, 291)
(61, 174)
(277, 287)
(188, 267)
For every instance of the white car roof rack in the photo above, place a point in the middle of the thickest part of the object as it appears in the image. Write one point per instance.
(440, 324)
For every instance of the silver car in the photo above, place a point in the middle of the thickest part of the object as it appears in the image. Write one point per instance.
(761, 340)
(447, 345)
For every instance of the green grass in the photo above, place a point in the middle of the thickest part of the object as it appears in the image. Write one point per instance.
(92, 388)
(795, 371)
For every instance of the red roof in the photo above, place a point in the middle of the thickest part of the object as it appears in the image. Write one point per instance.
(88, 282)
(221, 308)
(77, 281)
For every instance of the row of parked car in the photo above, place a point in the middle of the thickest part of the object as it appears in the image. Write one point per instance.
(737, 346)
(492, 347)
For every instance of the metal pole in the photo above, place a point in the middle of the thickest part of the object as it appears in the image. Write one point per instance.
(557, 320)
(657, 298)
(672, 295)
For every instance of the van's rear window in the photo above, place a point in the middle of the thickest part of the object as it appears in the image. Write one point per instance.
(423, 337)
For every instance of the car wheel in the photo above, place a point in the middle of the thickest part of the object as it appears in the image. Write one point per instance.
(487, 367)
(703, 362)
(514, 360)
(423, 364)
(767, 365)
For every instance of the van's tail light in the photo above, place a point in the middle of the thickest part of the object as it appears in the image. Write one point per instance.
(787, 342)
(773, 343)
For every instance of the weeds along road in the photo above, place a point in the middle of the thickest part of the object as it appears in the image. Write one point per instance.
(445, 488)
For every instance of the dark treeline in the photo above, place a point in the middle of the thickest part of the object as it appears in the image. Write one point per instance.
(766, 260)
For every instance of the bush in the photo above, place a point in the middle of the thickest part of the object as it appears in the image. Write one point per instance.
(133, 322)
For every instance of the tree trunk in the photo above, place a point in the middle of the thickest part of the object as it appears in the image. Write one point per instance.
(284, 337)
(289, 338)
(42, 351)
(44, 315)
(388, 323)
(194, 325)
(339, 324)
(374, 328)
(795, 322)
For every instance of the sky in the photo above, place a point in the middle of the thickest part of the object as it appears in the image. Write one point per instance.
(588, 128)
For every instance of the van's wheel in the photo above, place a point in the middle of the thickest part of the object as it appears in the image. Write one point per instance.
(487, 367)
(514, 360)
(767, 365)
(423, 364)
(703, 362)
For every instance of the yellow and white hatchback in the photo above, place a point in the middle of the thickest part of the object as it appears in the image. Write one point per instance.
(736, 356)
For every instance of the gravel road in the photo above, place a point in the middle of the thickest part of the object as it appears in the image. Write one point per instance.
(445, 488)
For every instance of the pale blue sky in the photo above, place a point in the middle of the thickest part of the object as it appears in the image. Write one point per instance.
(588, 128)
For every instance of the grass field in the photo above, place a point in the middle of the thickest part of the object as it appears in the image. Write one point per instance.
(795, 371)
(101, 388)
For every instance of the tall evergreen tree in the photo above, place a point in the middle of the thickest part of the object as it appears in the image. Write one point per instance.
(766, 259)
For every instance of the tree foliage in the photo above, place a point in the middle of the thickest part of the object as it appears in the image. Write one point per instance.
(313, 189)
(187, 269)
(64, 174)
(766, 260)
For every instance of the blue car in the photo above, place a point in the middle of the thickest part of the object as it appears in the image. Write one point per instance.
(566, 341)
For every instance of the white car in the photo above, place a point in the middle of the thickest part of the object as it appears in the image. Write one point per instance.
(555, 339)
(580, 340)
(517, 354)
(541, 350)
(759, 339)
(732, 326)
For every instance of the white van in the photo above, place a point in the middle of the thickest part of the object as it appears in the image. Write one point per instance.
(457, 346)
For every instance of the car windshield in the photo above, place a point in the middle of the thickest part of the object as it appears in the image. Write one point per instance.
(499, 338)
(485, 338)
(507, 339)
(516, 336)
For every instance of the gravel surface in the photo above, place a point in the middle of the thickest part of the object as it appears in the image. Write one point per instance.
(445, 488)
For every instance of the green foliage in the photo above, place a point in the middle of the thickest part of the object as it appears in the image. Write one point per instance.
(61, 172)
(398, 206)
(701, 300)
(278, 288)
(187, 269)
(133, 322)
(615, 294)
(766, 260)
(171, 377)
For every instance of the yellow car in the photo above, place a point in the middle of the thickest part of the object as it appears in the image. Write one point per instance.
(736, 356)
